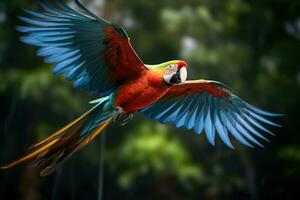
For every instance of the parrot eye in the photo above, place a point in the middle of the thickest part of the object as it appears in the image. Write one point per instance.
(170, 69)
(172, 66)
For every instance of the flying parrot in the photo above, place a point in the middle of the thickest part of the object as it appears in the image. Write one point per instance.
(97, 56)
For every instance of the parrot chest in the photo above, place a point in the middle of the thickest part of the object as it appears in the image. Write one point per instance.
(141, 92)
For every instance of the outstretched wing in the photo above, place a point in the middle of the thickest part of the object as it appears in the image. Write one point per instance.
(94, 53)
(209, 106)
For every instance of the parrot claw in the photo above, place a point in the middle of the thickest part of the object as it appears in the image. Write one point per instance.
(127, 119)
(116, 117)
(124, 117)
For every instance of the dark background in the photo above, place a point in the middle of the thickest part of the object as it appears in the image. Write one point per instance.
(251, 45)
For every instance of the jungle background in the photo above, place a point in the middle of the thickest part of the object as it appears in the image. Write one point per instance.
(251, 45)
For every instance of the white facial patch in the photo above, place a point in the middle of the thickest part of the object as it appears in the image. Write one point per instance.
(168, 77)
(169, 72)
(171, 69)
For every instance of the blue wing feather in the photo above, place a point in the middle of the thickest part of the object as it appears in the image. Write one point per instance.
(256, 124)
(62, 57)
(262, 119)
(47, 7)
(191, 120)
(200, 118)
(46, 16)
(174, 108)
(221, 115)
(200, 122)
(223, 132)
(209, 129)
(242, 131)
(231, 128)
(74, 42)
(44, 23)
(172, 116)
(183, 113)
(262, 112)
(250, 128)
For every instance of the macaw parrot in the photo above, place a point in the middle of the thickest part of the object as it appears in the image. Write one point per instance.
(97, 56)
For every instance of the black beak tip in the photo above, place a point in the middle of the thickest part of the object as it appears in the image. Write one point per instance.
(175, 79)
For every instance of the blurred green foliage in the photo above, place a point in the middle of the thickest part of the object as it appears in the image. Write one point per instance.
(151, 151)
(251, 45)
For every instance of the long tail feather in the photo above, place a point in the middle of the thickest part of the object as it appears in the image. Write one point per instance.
(60, 131)
(58, 147)
(29, 156)
(73, 146)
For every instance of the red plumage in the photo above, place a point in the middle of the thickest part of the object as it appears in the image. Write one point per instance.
(141, 92)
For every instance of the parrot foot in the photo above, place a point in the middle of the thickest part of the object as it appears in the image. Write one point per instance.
(125, 118)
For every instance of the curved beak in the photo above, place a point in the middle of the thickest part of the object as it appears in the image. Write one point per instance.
(179, 77)
(183, 74)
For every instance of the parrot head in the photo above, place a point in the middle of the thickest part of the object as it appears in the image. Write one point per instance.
(175, 72)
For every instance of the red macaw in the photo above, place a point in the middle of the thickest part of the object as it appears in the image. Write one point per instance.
(97, 56)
